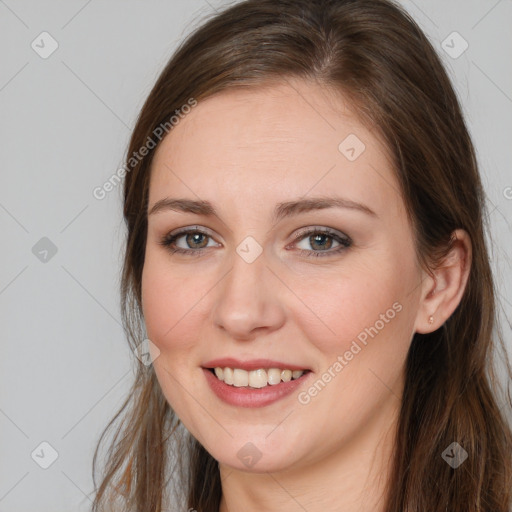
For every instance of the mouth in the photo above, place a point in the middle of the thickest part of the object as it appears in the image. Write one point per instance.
(255, 382)
(255, 379)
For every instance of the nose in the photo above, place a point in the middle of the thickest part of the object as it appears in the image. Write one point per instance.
(249, 301)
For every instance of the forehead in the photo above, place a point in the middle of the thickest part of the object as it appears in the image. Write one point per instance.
(252, 146)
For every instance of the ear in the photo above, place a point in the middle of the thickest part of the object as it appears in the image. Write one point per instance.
(442, 291)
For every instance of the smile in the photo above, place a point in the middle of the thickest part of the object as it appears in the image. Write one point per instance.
(256, 379)
(260, 393)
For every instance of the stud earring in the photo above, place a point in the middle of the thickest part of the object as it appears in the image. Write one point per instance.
(431, 319)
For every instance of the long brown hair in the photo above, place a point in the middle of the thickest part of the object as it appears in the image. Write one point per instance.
(373, 52)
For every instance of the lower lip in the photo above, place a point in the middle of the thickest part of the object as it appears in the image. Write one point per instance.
(251, 397)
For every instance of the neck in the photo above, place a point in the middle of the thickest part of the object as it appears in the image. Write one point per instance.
(351, 479)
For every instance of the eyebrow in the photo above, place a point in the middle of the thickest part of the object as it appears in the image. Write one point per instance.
(281, 210)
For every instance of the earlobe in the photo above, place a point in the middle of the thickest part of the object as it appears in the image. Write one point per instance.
(444, 289)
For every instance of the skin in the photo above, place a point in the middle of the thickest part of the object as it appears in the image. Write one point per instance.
(244, 151)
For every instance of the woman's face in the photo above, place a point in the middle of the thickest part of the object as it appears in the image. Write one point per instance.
(276, 279)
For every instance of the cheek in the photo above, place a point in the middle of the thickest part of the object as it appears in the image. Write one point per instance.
(170, 308)
(366, 303)
(168, 303)
(371, 317)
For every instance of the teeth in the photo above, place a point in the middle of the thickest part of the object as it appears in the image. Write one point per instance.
(274, 376)
(240, 378)
(229, 376)
(256, 378)
(286, 375)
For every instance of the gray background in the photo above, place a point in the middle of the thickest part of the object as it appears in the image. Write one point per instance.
(65, 123)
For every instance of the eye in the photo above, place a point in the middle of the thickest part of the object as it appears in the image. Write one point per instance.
(194, 241)
(321, 240)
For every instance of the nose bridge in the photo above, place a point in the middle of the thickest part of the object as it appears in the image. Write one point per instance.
(246, 301)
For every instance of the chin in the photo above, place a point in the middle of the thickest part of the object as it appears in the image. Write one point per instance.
(255, 454)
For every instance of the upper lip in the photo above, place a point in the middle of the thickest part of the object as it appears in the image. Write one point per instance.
(253, 364)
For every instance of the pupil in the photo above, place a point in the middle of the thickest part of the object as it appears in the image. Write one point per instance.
(196, 238)
(317, 239)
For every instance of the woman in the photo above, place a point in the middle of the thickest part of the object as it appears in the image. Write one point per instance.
(306, 256)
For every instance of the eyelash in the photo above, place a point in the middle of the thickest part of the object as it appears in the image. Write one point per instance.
(344, 241)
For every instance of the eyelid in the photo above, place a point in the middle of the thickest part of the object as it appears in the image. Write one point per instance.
(187, 229)
(344, 240)
(321, 229)
(172, 236)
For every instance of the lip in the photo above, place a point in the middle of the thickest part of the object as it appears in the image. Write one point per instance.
(253, 364)
(252, 397)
